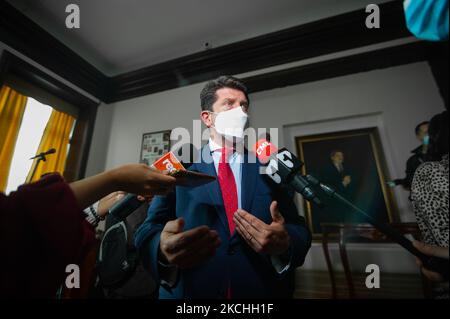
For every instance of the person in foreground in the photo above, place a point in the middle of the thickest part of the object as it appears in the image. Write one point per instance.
(237, 237)
(433, 251)
(43, 228)
(430, 191)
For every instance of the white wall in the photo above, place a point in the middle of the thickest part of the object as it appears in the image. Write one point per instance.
(156, 112)
(99, 145)
(393, 99)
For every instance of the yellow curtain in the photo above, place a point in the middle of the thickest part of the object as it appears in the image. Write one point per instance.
(12, 108)
(56, 135)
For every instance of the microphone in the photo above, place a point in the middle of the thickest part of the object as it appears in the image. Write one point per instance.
(168, 162)
(437, 264)
(283, 167)
(124, 207)
(42, 155)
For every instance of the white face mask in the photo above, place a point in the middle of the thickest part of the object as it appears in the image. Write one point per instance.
(230, 124)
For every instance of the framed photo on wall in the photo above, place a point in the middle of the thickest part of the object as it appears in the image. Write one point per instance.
(154, 145)
(353, 163)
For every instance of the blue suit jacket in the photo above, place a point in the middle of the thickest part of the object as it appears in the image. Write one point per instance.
(249, 274)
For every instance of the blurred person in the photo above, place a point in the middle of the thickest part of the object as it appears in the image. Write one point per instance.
(430, 188)
(419, 156)
(432, 251)
(427, 19)
(43, 228)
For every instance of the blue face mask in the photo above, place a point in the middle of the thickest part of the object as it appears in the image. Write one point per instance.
(426, 140)
(427, 19)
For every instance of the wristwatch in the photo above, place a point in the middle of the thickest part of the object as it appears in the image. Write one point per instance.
(91, 215)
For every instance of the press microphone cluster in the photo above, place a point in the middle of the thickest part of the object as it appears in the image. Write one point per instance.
(130, 202)
(284, 168)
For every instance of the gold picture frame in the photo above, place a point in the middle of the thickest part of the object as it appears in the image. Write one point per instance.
(366, 154)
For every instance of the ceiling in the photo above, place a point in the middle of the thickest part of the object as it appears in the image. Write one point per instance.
(118, 36)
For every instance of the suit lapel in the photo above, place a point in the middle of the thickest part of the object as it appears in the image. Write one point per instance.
(248, 182)
(249, 173)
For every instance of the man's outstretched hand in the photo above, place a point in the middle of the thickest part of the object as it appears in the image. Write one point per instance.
(271, 239)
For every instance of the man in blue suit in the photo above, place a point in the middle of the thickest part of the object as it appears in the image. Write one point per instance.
(237, 237)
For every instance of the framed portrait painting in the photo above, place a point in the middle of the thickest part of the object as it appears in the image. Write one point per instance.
(352, 162)
(154, 145)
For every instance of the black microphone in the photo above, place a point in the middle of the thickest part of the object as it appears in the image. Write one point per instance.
(283, 167)
(50, 151)
(124, 207)
(436, 264)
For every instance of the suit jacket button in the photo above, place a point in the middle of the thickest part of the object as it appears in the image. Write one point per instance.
(231, 251)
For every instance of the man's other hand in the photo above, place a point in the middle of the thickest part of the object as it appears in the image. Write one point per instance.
(186, 249)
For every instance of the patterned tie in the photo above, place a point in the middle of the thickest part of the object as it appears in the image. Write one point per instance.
(228, 187)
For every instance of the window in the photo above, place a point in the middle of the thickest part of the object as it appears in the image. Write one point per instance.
(33, 82)
(34, 121)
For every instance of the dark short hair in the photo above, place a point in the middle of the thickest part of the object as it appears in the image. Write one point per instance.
(208, 95)
(417, 129)
(333, 152)
(439, 137)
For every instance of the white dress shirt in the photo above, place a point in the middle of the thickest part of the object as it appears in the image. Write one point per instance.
(235, 161)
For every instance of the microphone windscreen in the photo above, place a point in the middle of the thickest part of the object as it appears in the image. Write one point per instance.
(168, 162)
(264, 149)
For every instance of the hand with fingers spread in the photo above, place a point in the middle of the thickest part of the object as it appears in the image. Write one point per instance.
(434, 251)
(271, 239)
(186, 249)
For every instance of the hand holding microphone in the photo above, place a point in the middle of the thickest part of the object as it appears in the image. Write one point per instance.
(433, 251)
(168, 165)
(132, 178)
(143, 180)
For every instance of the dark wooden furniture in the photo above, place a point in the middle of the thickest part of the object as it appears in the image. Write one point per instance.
(356, 233)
